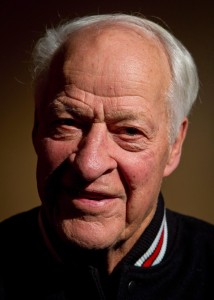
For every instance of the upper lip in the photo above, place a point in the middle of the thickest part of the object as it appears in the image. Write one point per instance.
(95, 195)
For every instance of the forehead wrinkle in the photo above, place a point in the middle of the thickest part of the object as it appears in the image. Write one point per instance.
(117, 89)
(118, 115)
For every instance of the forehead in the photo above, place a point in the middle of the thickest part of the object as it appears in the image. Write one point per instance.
(113, 51)
(110, 61)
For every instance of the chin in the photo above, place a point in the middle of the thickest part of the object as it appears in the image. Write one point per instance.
(87, 235)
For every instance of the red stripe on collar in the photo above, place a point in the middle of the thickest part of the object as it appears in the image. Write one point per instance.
(157, 249)
(150, 260)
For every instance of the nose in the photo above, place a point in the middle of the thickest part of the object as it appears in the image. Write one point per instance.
(93, 158)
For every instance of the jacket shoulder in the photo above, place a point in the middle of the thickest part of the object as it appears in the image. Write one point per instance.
(16, 222)
(191, 232)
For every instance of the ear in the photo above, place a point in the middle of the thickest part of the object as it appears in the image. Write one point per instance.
(176, 149)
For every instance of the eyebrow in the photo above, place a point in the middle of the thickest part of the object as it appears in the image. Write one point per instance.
(59, 107)
(114, 115)
(126, 115)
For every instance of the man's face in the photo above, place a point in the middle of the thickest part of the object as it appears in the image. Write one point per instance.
(102, 137)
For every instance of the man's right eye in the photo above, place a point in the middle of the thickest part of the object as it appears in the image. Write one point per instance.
(64, 128)
(66, 122)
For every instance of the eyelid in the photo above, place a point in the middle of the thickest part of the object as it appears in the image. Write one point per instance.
(123, 127)
(131, 143)
(72, 124)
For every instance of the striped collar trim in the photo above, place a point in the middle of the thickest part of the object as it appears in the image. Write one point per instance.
(157, 250)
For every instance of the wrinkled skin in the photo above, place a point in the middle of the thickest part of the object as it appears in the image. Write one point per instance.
(102, 138)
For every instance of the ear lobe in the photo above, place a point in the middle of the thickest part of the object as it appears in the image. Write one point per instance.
(176, 149)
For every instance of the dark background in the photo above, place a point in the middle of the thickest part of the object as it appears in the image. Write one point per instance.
(190, 189)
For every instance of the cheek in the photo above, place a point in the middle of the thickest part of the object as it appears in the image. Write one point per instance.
(143, 179)
(51, 154)
(145, 169)
(138, 170)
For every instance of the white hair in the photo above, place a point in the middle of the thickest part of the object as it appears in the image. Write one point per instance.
(184, 84)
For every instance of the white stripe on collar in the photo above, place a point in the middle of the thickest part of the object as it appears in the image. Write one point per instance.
(157, 250)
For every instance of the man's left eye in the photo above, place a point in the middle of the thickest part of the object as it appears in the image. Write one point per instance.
(131, 131)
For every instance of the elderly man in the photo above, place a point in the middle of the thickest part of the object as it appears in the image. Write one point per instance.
(112, 98)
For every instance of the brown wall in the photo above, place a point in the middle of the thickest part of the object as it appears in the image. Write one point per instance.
(191, 188)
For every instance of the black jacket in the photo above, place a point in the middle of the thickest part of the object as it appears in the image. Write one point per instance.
(29, 272)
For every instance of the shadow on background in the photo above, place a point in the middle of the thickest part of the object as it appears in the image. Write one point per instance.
(190, 189)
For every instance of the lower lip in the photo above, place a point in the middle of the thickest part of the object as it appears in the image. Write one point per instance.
(90, 205)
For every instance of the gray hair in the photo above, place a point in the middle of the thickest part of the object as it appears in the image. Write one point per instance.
(184, 84)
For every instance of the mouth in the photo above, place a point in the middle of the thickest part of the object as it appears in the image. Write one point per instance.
(91, 194)
(92, 201)
(96, 196)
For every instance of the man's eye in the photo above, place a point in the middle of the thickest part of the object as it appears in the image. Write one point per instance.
(67, 122)
(131, 131)
(64, 129)
(64, 122)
